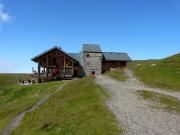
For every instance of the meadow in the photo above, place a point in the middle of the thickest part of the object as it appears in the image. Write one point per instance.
(164, 73)
(77, 109)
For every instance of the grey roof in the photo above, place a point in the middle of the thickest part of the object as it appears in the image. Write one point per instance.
(108, 56)
(113, 56)
(51, 49)
(77, 57)
(91, 48)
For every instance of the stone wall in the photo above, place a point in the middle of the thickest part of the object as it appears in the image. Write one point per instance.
(92, 63)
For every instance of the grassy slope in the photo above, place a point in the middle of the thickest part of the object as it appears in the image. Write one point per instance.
(14, 99)
(77, 110)
(165, 74)
(117, 74)
(170, 103)
(10, 79)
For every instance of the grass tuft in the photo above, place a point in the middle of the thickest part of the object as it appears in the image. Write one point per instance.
(168, 102)
(117, 74)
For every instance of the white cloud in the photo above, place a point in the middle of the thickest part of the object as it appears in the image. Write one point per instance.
(4, 16)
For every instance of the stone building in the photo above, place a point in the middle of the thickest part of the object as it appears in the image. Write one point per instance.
(56, 64)
(92, 59)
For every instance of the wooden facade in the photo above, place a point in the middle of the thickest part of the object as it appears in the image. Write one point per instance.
(55, 65)
(107, 65)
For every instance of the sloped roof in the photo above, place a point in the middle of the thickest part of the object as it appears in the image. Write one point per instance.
(108, 56)
(91, 48)
(49, 50)
(77, 57)
(113, 56)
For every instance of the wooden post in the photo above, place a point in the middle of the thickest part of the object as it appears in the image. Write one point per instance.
(38, 71)
(64, 66)
(72, 69)
(57, 67)
(47, 69)
(43, 73)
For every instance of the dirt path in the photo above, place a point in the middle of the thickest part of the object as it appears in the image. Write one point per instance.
(16, 121)
(133, 113)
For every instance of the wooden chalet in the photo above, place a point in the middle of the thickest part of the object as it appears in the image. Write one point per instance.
(56, 64)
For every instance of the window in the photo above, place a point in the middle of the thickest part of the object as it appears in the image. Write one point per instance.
(87, 55)
(93, 72)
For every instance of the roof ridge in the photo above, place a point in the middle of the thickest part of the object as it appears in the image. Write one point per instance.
(89, 44)
(52, 48)
(73, 53)
(115, 52)
(91, 48)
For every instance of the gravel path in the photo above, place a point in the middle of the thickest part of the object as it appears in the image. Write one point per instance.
(16, 121)
(133, 113)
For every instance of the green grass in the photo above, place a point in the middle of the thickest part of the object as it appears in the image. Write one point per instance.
(12, 79)
(117, 74)
(165, 74)
(168, 102)
(15, 99)
(76, 110)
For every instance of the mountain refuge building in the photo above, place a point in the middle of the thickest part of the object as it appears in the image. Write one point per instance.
(55, 63)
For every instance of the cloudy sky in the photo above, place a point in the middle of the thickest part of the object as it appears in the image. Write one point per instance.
(145, 29)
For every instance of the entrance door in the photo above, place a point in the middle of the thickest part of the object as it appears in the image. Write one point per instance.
(93, 73)
(75, 73)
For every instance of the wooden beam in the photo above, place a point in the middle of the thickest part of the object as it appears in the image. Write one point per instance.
(68, 66)
(64, 65)
(73, 61)
(38, 71)
(56, 54)
(44, 74)
(72, 69)
(47, 67)
(69, 63)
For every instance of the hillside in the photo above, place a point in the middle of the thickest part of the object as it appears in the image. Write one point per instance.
(15, 99)
(77, 109)
(172, 61)
(10, 79)
(174, 58)
(164, 73)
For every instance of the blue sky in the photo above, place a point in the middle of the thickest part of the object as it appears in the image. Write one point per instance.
(144, 29)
